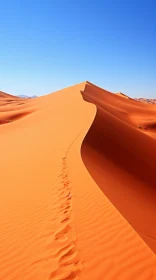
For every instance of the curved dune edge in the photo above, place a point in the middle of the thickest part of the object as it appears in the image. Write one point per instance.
(56, 223)
(122, 95)
(121, 157)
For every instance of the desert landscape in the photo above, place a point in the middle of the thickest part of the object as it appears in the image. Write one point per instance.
(78, 197)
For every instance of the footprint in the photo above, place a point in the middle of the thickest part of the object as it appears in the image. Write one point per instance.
(63, 231)
(65, 220)
(62, 238)
(70, 257)
(72, 276)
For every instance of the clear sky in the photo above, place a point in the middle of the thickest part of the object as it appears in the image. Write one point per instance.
(48, 45)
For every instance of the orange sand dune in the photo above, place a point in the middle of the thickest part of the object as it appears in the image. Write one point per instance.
(55, 221)
(120, 154)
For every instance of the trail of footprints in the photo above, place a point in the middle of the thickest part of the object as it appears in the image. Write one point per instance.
(69, 265)
(59, 234)
(58, 257)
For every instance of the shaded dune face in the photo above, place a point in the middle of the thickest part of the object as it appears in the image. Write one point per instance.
(121, 157)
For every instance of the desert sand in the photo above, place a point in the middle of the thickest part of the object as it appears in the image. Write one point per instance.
(77, 186)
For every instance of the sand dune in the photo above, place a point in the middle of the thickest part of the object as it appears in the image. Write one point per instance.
(6, 95)
(56, 223)
(120, 153)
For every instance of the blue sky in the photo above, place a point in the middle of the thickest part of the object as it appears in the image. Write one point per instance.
(49, 45)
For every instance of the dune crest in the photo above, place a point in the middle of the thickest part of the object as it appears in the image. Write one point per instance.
(122, 95)
(56, 223)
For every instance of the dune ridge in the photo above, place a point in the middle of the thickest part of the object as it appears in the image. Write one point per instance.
(122, 94)
(7, 95)
(56, 222)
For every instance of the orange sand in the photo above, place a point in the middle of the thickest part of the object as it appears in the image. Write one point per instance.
(56, 223)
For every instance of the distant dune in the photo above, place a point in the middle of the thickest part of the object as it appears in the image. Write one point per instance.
(6, 95)
(78, 198)
(146, 100)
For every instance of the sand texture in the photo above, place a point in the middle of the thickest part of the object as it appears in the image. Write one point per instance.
(78, 198)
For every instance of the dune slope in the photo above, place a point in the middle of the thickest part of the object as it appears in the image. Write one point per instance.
(56, 224)
(120, 154)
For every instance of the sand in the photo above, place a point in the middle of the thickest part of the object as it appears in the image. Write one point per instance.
(77, 186)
